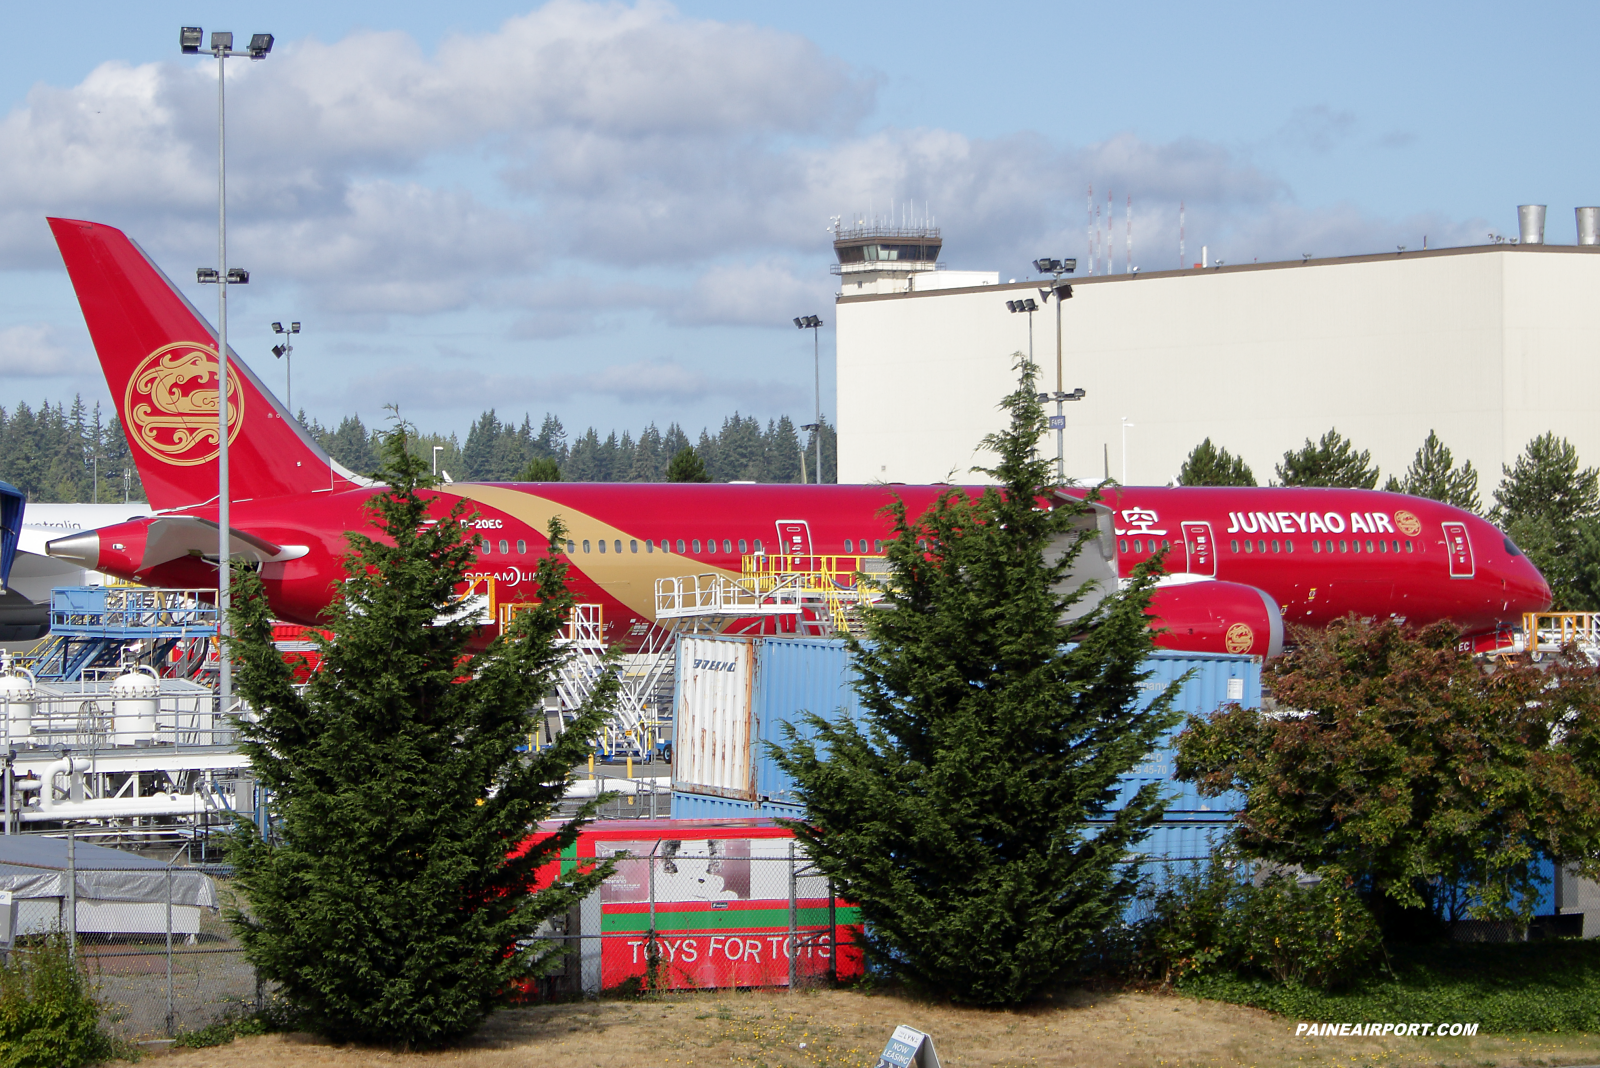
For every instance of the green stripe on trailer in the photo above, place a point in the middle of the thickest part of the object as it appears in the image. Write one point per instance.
(747, 919)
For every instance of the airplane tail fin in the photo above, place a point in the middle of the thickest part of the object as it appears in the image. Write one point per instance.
(159, 355)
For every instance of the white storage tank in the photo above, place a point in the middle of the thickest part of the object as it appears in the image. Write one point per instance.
(19, 699)
(135, 699)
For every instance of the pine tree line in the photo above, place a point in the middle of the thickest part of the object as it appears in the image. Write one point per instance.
(505, 451)
(67, 453)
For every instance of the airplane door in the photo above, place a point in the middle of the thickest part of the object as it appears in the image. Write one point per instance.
(1459, 546)
(1202, 550)
(794, 537)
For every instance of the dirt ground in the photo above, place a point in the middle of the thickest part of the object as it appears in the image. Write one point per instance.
(836, 1029)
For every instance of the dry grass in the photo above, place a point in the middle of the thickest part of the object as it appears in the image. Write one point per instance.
(839, 1029)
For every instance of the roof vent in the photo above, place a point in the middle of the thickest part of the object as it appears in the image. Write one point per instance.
(1530, 221)
(1588, 226)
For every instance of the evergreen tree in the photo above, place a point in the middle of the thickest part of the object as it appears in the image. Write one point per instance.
(397, 908)
(609, 451)
(1332, 461)
(706, 450)
(1551, 509)
(584, 462)
(1433, 474)
(830, 450)
(970, 814)
(686, 467)
(552, 439)
(673, 441)
(541, 469)
(780, 451)
(648, 465)
(740, 454)
(352, 446)
(477, 455)
(1208, 465)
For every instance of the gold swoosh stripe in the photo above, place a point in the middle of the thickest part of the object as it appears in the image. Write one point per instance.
(630, 577)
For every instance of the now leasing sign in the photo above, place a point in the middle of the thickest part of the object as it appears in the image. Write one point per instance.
(908, 1048)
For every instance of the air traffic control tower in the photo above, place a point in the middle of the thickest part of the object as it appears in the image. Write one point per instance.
(875, 258)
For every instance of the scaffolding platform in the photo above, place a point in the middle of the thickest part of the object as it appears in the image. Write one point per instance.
(95, 629)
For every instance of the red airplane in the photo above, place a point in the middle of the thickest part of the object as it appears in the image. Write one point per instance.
(1241, 562)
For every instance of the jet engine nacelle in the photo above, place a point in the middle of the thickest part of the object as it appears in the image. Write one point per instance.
(1216, 617)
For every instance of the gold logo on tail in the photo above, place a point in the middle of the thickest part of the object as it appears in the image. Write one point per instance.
(1239, 639)
(171, 404)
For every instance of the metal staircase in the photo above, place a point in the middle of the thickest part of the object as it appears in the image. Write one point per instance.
(645, 679)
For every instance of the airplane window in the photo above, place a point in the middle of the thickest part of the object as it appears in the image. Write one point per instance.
(483, 546)
(1249, 546)
(1355, 545)
(696, 541)
(680, 540)
(650, 546)
(744, 546)
(1261, 546)
(1341, 543)
(1369, 546)
(1274, 544)
(1396, 544)
(522, 547)
(1166, 543)
(585, 540)
(505, 547)
(1288, 546)
(617, 545)
(877, 546)
(727, 546)
(602, 545)
(1122, 546)
(849, 546)
(1235, 540)
(1316, 546)
(1383, 546)
(633, 546)
(1511, 547)
(571, 547)
(759, 549)
(1408, 545)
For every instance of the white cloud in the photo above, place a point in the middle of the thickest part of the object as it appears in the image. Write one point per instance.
(585, 136)
(31, 350)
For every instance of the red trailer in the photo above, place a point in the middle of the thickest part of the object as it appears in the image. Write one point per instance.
(714, 903)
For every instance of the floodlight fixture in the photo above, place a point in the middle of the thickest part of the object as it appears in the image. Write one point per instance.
(277, 328)
(189, 40)
(221, 41)
(278, 351)
(238, 276)
(294, 328)
(814, 324)
(260, 45)
(205, 274)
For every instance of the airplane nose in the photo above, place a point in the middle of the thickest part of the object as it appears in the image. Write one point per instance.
(82, 549)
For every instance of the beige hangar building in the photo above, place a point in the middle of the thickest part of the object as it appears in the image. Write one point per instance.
(1489, 345)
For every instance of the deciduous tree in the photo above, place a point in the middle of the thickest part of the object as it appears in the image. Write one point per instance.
(1396, 759)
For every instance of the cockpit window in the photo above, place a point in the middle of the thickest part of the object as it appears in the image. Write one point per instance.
(1511, 547)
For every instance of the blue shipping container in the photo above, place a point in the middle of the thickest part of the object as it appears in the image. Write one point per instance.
(792, 676)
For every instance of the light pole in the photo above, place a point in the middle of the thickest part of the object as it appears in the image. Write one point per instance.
(285, 352)
(1029, 305)
(223, 276)
(1125, 426)
(1057, 268)
(814, 324)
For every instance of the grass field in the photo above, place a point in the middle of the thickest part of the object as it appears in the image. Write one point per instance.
(835, 1029)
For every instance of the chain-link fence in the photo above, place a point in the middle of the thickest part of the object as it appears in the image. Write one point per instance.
(152, 941)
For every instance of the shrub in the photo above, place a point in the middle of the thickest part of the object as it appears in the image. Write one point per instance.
(1219, 921)
(49, 1017)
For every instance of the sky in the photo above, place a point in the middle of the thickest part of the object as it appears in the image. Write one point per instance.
(613, 211)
